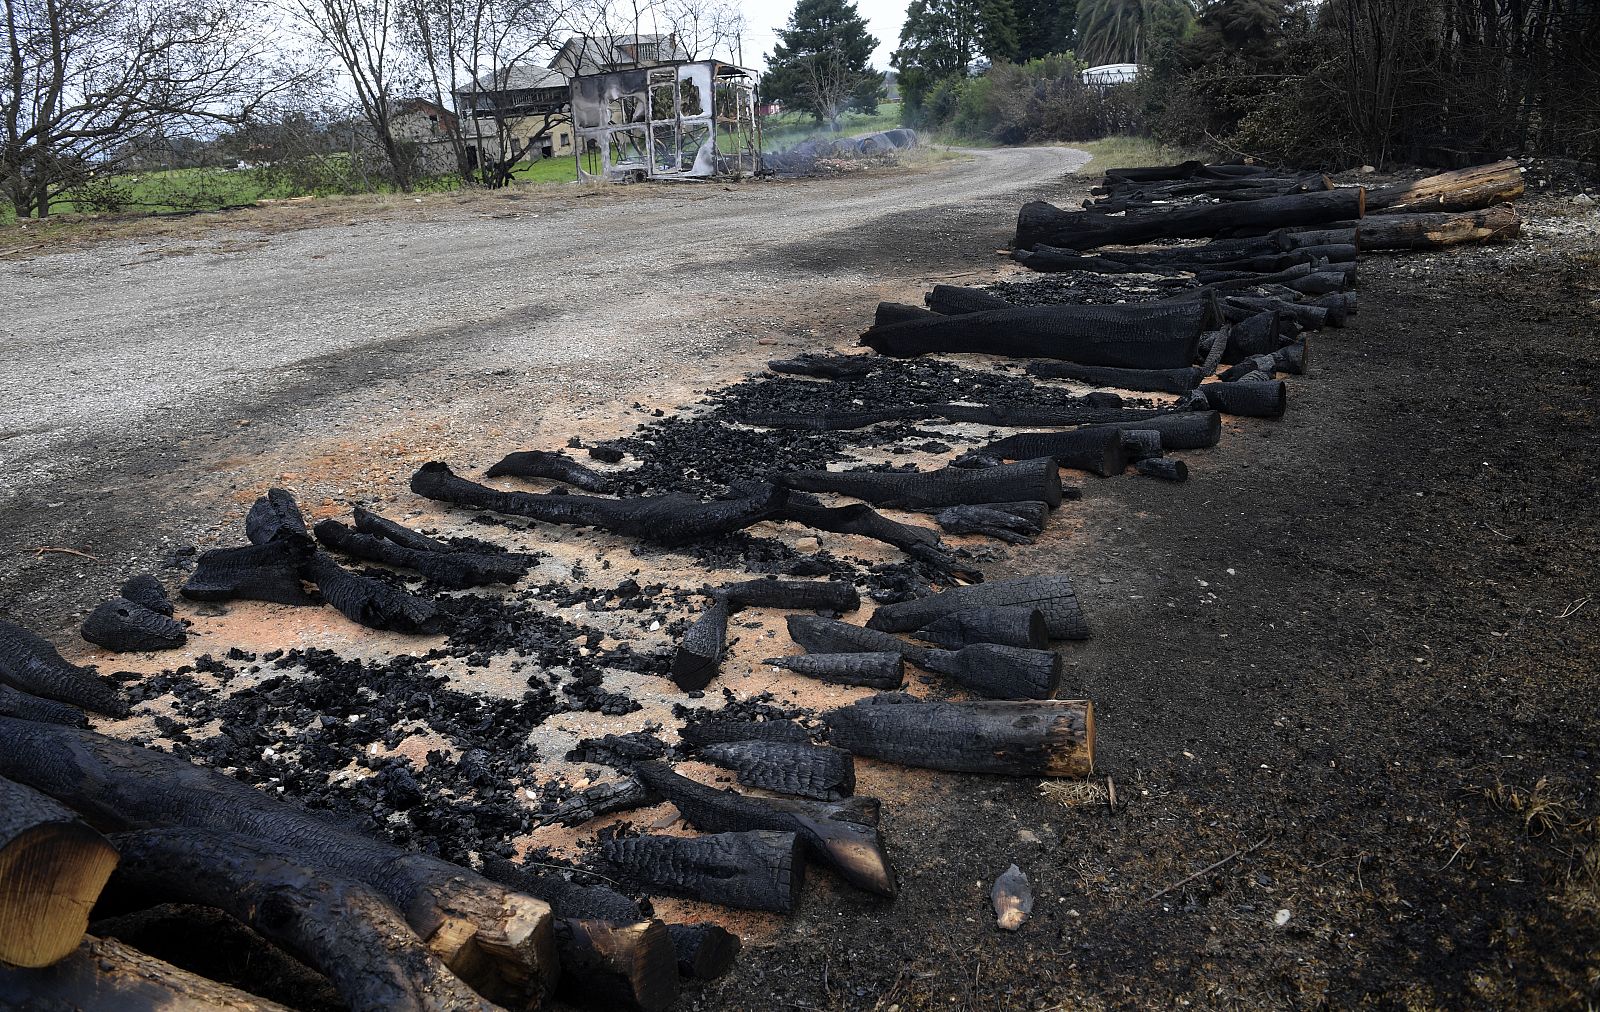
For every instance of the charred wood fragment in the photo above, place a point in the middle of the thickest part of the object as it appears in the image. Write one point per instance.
(809, 771)
(565, 897)
(556, 466)
(1000, 671)
(269, 572)
(829, 636)
(32, 665)
(1011, 625)
(1040, 223)
(274, 517)
(1254, 399)
(609, 965)
(1032, 738)
(123, 625)
(1167, 468)
(1138, 444)
(993, 523)
(1051, 594)
(599, 800)
(856, 518)
(874, 669)
(368, 522)
(30, 707)
(832, 367)
(452, 569)
(715, 730)
(372, 603)
(146, 590)
(952, 300)
(1171, 381)
(800, 595)
(699, 656)
(706, 951)
(1038, 479)
(750, 870)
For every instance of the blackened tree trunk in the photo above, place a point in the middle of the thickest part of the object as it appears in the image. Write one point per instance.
(751, 870)
(1044, 738)
(1042, 224)
(1038, 480)
(1050, 594)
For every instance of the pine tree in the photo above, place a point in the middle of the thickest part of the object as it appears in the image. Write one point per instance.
(821, 61)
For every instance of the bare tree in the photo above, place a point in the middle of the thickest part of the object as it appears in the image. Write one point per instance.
(84, 80)
(704, 29)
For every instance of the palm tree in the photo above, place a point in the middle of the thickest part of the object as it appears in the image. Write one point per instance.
(1116, 31)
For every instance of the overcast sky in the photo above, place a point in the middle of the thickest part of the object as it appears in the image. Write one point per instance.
(765, 17)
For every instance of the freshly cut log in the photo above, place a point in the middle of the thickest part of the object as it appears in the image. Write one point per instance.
(32, 665)
(275, 517)
(269, 572)
(1163, 467)
(1040, 223)
(862, 520)
(699, 657)
(1266, 399)
(800, 595)
(52, 868)
(828, 636)
(496, 940)
(751, 870)
(998, 524)
(123, 625)
(808, 771)
(1131, 336)
(1051, 594)
(710, 732)
(1033, 738)
(1170, 381)
(951, 300)
(999, 671)
(875, 670)
(671, 519)
(368, 522)
(948, 486)
(342, 928)
(832, 367)
(1462, 190)
(706, 951)
(1011, 625)
(605, 965)
(372, 603)
(29, 707)
(1440, 230)
(556, 466)
(146, 590)
(1138, 444)
(456, 570)
(842, 834)
(601, 799)
(105, 974)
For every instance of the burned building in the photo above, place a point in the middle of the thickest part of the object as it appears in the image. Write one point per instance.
(680, 120)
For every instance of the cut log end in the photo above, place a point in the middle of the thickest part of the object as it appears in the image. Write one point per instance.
(618, 966)
(705, 951)
(502, 945)
(52, 875)
(1069, 743)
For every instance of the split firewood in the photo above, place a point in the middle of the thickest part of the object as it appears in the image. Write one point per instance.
(1180, 430)
(808, 771)
(146, 590)
(32, 665)
(268, 572)
(456, 570)
(1261, 399)
(671, 519)
(798, 595)
(1462, 190)
(123, 625)
(103, 973)
(1012, 899)
(498, 941)
(750, 870)
(829, 636)
(1011, 625)
(1051, 594)
(1000, 671)
(52, 868)
(1171, 381)
(875, 669)
(699, 656)
(706, 951)
(29, 707)
(555, 466)
(600, 800)
(1040, 223)
(1043, 738)
(843, 834)
(340, 927)
(1163, 467)
(949, 486)
(833, 367)
(607, 965)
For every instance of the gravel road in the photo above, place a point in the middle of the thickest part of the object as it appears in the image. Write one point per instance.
(149, 382)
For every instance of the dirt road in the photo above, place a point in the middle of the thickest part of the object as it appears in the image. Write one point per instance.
(145, 381)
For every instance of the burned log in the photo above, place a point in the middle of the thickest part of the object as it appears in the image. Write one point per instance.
(706, 951)
(750, 870)
(1139, 444)
(1344, 303)
(1000, 671)
(146, 590)
(859, 519)
(671, 519)
(372, 603)
(342, 928)
(1257, 399)
(555, 466)
(1180, 430)
(566, 898)
(122, 625)
(29, 707)
(600, 800)
(1163, 467)
(1170, 381)
(268, 572)
(368, 522)
(829, 636)
(951, 300)
(496, 940)
(699, 656)
(1040, 223)
(607, 965)
(1032, 738)
(808, 771)
(1095, 450)
(1468, 189)
(711, 732)
(1255, 363)
(832, 421)
(889, 313)
(1304, 314)
(32, 665)
(993, 523)
(103, 973)
(1291, 358)
(876, 669)
(1132, 336)
(453, 569)
(1258, 334)
(1051, 594)
(1021, 416)
(1011, 625)
(275, 517)
(1322, 283)
(1440, 230)
(800, 595)
(832, 367)
(842, 834)
(52, 868)
(948, 486)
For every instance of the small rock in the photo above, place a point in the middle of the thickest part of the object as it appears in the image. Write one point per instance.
(807, 545)
(1367, 170)
(1583, 200)
(1027, 836)
(1012, 899)
(1281, 918)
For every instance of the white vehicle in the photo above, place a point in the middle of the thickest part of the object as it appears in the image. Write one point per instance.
(1108, 74)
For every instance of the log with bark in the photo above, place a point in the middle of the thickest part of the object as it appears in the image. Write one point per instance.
(1000, 671)
(452, 569)
(1051, 594)
(1040, 223)
(1468, 189)
(706, 951)
(122, 625)
(52, 868)
(699, 655)
(808, 771)
(30, 707)
(268, 572)
(751, 869)
(1131, 336)
(343, 928)
(1044, 738)
(601, 799)
(1258, 399)
(798, 595)
(873, 669)
(842, 834)
(1170, 381)
(1500, 223)
(1038, 479)
(1180, 430)
(612, 965)
(555, 466)
(671, 519)
(498, 941)
(1011, 625)
(829, 636)
(832, 367)
(30, 664)
(103, 973)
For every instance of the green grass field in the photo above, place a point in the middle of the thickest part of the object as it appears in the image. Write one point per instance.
(779, 133)
(1123, 151)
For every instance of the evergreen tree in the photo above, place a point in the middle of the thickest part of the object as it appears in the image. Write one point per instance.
(941, 40)
(1044, 27)
(821, 61)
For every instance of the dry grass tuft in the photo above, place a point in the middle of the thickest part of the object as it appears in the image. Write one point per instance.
(1540, 809)
(1074, 793)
